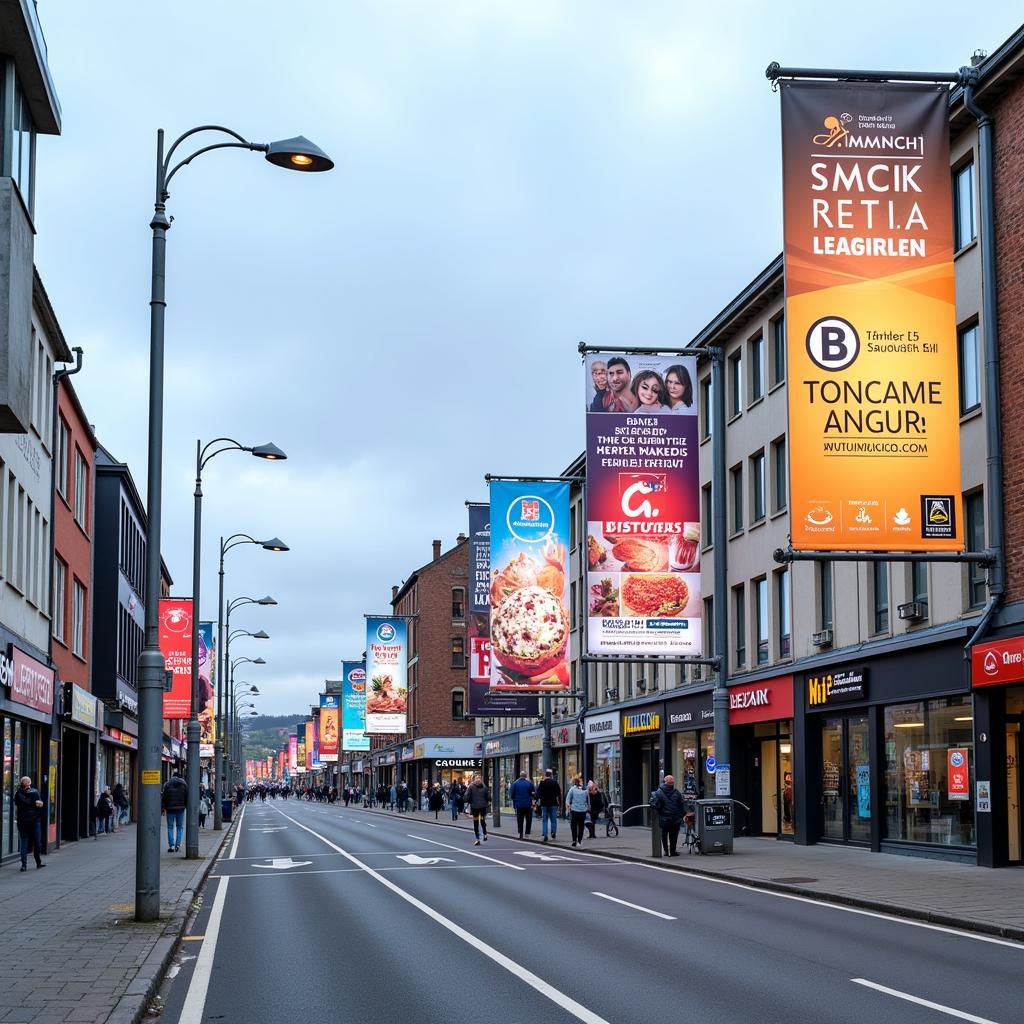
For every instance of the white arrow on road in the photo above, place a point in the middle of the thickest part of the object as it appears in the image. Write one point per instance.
(414, 858)
(544, 856)
(283, 864)
(272, 828)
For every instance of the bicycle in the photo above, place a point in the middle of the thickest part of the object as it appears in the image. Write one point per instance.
(611, 828)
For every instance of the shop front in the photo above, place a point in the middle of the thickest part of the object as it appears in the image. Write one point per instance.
(643, 764)
(690, 738)
(565, 753)
(500, 754)
(601, 734)
(80, 729)
(531, 760)
(446, 759)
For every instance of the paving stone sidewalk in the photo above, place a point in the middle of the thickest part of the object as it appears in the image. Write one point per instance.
(71, 949)
(963, 896)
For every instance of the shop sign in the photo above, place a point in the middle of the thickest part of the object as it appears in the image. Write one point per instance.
(984, 796)
(997, 663)
(828, 688)
(357, 767)
(641, 722)
(459, 762)
(531, 742)
(958, 773)
(127, 697)
(501, 745)
(567, 735)
(457, 746)
(31, 682)
(408, 752)
(602, 727)
(764, 701)
(119, 736)
(694, 712)
(82, 706)
(389, 757)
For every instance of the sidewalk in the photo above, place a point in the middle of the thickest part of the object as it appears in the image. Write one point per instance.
(956, 895)
(72, 949)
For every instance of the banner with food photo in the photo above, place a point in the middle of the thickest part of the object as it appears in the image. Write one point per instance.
(643, 505)
(176, 647)
(207, 686)
(353, 706)
(387, 667)
(529, 587)
(330, 730)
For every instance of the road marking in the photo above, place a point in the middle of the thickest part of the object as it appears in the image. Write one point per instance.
(415, 858)
(578, 1010)
(238, 835)
(195, 1000)
(615, 899)
(536, 855)
(283, 864)
(960, 1014)
(270, 828)
(471, 853)
(193, 938)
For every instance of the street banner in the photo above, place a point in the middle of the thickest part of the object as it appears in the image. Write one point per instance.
(387, 667)
(300, 730)
(330, 729)
(270, 766)
(529, 587)
(481, 702)
(874, 413)
(643, 505)
(176, 647)
(353, 706)
(207, 688)
(281, 761)
(309, 744)
(293, 754)
(958, 772)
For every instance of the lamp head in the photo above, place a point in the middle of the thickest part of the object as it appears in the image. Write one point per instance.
(268, 451)
(266, 600)
(258, 661)
(274, 544)
(261, 635)
(298, 154)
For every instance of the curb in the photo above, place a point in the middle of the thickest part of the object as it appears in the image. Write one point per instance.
(131, 1007)
(817, 895)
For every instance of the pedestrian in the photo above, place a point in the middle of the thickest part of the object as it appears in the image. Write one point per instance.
(455, 797)
(576, 806)
(424, 796)
(174, 798)
(669, 805)
(403, 796)
(523, 793)
(478, 798)
(346, 795)
(595, 805)
(204, 808)
(28, 806)
(435, 802)
(393, 798)
(104, 812)
(549, 796)
(382, 795)
(120, 803)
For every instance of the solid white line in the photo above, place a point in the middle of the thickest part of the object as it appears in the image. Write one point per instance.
(459, 849)
(195, 1000)
(625, 903)
(922, 1002)
(238, 835)
(578, 1010)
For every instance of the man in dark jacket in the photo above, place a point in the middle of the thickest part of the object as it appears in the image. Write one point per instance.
(549, 796)
(402, 794)
(28, 805)
(478, 799)
(523, 792)
(173, 799)
(455, 797)
(669, 805)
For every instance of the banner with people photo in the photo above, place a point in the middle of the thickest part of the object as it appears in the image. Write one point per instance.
(330, 727)
(176, 647)
(300, 730)
(643, 505)
(353, 706)
(207, 688)
(293, 754)
(874, 405)
(483, 701)
(387, 700)
(529, 592)
(308, 728)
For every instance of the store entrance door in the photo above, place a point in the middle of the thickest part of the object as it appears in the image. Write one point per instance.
(845, 779)
(1014, 787)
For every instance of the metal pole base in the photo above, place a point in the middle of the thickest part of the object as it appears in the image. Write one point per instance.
(218, 812)
(192, 808)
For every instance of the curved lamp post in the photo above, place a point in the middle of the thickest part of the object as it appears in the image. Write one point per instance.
(297, 154)
(231, 709)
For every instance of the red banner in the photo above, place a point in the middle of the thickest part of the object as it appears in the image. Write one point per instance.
(999, 662)
(958, 764)
(176, 647)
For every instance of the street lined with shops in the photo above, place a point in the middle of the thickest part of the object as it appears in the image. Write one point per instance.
(546, 933)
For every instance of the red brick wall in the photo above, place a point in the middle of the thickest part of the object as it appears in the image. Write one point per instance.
(1008, 114)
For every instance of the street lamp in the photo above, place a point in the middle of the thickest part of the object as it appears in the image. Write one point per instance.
(232, 718)
(296, 154)
(204, 453)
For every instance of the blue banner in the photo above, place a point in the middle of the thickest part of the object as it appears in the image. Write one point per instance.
(387, 660)
(353, 706)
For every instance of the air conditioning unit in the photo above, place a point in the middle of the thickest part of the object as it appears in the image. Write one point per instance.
(913, 611)
(822, 638)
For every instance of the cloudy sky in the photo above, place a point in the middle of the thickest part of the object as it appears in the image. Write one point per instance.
(512, 177)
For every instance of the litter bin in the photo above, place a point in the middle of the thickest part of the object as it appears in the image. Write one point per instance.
(714, 826)
(225, 809)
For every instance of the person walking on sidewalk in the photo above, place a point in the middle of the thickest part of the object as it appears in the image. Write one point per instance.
(28, 806)
(104, 813)
(669, 805)
(436, 800)
(523, 793)
(455, 796)
(204, 808)
(120, 804)
(174, 799)
(576, 804)
(595, 804)
(478, 799)
(549, 796)
(403, 796)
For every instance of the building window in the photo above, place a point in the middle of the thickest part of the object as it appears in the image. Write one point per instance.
(782, 612)
(919, 581)
(970, 375)
(706, 409)
(761, 619)
(707, 510)
(736, 383)
(458, 652)
(458, 602)
(780, 478)
(779, 349)
(880, 595)
(78, 619)
(19, 146)
(964, 226)
(825, 594)
(736, 478)
(975, 522)
(757, 487)
(61, 468)
(458, 704)
(60, 582)
(740, 617)
(81, 489)
(756, 368)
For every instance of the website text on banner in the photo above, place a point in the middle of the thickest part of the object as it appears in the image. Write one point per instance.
(176, 647)
(387, 653)
(874, 417)
(643, 506)
(353, 706)
(529, 587)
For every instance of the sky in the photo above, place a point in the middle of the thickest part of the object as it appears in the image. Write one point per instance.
(511, 178)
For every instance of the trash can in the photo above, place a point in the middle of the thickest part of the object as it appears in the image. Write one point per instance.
(714, 826)
(225, 809)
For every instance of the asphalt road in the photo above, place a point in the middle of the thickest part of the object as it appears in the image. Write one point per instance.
(323, 913)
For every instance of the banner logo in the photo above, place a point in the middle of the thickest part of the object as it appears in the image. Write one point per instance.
(385, 632)
(635, 492)
(833, 343)
(834, 131)
(530, 519)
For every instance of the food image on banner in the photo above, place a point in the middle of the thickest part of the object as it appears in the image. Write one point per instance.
(293, 754)
(529, 587)
(387, 668)
(874, 413)
(643, 505)
(207, 688)
(481, 702)
(353, 706)
(176, 647)
(330, 727)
